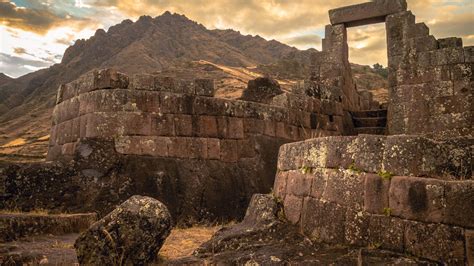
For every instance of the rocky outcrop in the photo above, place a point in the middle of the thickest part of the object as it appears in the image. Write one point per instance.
(261, 90)
(131, 234)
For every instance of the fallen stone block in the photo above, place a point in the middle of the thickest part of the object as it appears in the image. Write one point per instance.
(133, 233)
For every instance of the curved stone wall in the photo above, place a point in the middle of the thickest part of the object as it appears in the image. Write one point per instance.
(162, 117)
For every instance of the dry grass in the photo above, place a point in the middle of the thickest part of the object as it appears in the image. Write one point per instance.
(32, 212)
(182, 242)
(62, 245)
(15, 142)
(43, 138)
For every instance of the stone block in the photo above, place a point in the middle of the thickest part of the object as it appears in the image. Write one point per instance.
(142, 82)
(356, 228)
(64, 132)
(69, 91)
(459, 203)
(204, 87)
(366, 152)
(323, 221)
(345, 187)
(470, 247)
(436, 242)
(229, 150)
(319, 178)
(411, 156)
(420, 199)
(165, 84)
(376, 194)
(386, 232)
(293, 206)
(213, 149)
(469, 54)
(206, 126)
(136, 123)
(109, 78)
(298, 183)
(450, 42)
(327, 152)
(179, 147)
(247, 148)
(235, 128)
(269, 128)
(76, 129)
(279, 187)
(366, 13)
(209, 106)
(462, 72)
(183, 125)
(422, 44)
(68, 149)
(54, 153)
(283, 131)
(85, 83)
(452, 55)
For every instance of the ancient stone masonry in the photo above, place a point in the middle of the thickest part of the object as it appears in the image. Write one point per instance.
(431, 81)
(411, 194)
(114, 136)
(406, 194)
(162, 117)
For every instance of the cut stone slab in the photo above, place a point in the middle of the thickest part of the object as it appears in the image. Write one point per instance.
(133, 233)
(366, 13)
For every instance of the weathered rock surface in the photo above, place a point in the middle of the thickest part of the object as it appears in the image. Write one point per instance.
(15, 226)
(265, 238)
(131, 234)
(261, 90)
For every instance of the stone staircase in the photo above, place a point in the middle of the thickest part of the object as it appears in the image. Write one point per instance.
(373, 122)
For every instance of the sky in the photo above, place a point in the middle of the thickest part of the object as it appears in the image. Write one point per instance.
(35, 33)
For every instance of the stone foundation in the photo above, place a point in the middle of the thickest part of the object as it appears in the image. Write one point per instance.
(401, 193)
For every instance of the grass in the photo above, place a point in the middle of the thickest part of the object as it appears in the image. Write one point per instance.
(385, 175)
(183, 241)
(32, 212)
(44, 138)
(14, 143)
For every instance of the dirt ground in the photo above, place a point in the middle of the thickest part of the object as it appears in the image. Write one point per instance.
(59, 250)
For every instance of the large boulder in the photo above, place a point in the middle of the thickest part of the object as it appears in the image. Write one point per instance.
(133, 233)
(261, 90)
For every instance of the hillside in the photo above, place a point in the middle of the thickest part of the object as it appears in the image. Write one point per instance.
(4, 79)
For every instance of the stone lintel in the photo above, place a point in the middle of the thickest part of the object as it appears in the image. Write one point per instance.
(366, 13)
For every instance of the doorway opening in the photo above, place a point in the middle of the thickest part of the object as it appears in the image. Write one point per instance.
(369, 60)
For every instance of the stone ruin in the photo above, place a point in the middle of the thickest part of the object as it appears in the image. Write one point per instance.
(410, 191)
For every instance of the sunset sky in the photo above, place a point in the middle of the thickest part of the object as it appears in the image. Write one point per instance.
(35, 33)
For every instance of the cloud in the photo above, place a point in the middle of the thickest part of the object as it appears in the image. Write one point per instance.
(304, 40)
(38, 20)
(19, 50)
(298, 23)
(17, 66)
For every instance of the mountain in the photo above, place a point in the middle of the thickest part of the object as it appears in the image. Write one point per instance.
(170, 43)
(4, 79)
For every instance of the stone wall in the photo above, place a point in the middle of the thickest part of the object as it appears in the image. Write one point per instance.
(115, 136)
(431, 81)
(162, 117)
(407, 194)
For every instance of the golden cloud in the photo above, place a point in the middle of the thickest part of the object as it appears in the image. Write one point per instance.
(35, 20)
